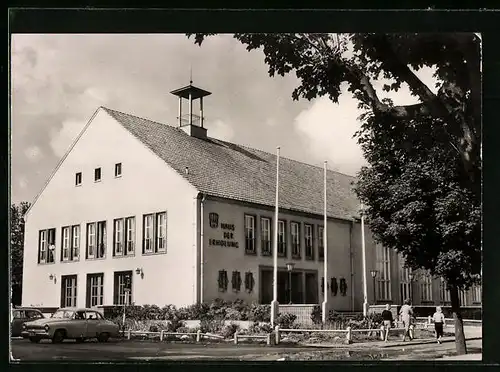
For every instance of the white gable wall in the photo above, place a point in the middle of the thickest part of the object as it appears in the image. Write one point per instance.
(147, 185)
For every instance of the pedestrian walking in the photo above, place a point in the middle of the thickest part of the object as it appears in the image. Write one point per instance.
(406, 313)
(387, 318)
(439, 323)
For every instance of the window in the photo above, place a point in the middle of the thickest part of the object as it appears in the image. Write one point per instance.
(249, 234)
(154, 233)
(321, 243)
(426, 288)
(118, 169)
(265, 235)
(97, 174)
(118, 237)
(236, 281)
(444, 292)
(462, 298)
(96, 240)
(78, 179)
(46, 246)
(65, 243)
(222, 281)
(404, 283)
(68, 291)
(384, 273)
(282, 238)
(75, 242)
(308, 240)
(476, 294)
(123, 288)
(70, 243)
(295, 230)
(161, 232)
(124, 237)
(95, 289)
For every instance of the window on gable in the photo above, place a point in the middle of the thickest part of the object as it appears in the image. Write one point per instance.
(154, 233)
(122, 288)
(118, 169)
(321, 243)
(95, 290)
(68, 291)
(124, 236)
(46, 246)
(97, 174)
(384, 273)
(96, 239)
(78, 179)
(70, 243)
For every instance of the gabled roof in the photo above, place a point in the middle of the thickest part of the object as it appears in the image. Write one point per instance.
(227, 170)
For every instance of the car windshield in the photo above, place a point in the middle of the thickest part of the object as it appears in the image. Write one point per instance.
(63, 314)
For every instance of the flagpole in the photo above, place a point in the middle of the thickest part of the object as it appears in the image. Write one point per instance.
(363, 248)
(324, 313)
(274, 303)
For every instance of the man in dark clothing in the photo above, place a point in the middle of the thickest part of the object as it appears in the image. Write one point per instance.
(387, 318)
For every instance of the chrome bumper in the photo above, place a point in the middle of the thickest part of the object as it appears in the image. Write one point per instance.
(35, 333)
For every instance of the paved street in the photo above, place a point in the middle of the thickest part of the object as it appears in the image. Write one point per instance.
(146, 350)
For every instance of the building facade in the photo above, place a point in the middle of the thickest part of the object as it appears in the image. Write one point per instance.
(183, 218)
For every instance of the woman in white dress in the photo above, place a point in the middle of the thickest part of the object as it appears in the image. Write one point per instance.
(406, 314)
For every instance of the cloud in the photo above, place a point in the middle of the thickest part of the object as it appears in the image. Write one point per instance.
(23, 183)
(220, 130)
(328, 129)
(63, 138)
(33, 153)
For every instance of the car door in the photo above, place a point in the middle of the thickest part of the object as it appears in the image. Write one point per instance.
(18, 319)
(92, 324)
(77, 325)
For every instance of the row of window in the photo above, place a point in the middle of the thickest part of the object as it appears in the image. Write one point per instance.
(313, 236)
(154, 239)
(122, 289)
(97, 174)
(236, 282)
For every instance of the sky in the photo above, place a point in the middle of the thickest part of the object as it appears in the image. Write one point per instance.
(58, 81)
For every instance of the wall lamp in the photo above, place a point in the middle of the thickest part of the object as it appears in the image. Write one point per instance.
(52, 277)
(139, 271)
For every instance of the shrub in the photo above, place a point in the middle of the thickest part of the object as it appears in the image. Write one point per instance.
(286, 320)
(211, 326)
(316, 315)
(233, 314)
(229, 330)
(175, 324)
(260, 313)
(183, 330)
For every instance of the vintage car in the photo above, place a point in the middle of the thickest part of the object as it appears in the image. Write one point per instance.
(71, 323)
(22, 315)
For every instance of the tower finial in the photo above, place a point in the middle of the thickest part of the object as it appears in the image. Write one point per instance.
(191, 74)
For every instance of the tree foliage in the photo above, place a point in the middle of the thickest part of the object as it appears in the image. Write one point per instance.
(17, 213)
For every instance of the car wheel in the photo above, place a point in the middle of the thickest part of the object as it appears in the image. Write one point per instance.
(58, 337)
(103, 337)
(35, 340)
(79, 340)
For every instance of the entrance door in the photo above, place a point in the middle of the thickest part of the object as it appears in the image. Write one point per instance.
(297, 288)
(311, 288)
(266, 286)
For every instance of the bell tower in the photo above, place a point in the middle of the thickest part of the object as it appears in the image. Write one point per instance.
(191, 123)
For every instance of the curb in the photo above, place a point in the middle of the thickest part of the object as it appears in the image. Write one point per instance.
(362, 345)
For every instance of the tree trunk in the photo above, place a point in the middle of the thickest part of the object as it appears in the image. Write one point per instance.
(460, 344)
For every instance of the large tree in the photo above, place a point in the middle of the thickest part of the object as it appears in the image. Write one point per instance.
(17, 213)
(451, 117)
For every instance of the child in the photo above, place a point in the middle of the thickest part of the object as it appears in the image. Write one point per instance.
(387, 317)
(438, 318)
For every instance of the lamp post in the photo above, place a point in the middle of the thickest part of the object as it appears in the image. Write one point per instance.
(410, 276)
(289, 267)
(374, 274)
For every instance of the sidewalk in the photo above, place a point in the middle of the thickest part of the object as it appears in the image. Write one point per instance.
(462, 357)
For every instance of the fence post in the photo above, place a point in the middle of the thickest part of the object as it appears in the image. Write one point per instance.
(349, 335)
(412, 335)
(198, 335)
(268, 341)
(277, 334)
(128, 334)
(161, 335)
(236, 338)
(429, 320)
(382, 332)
